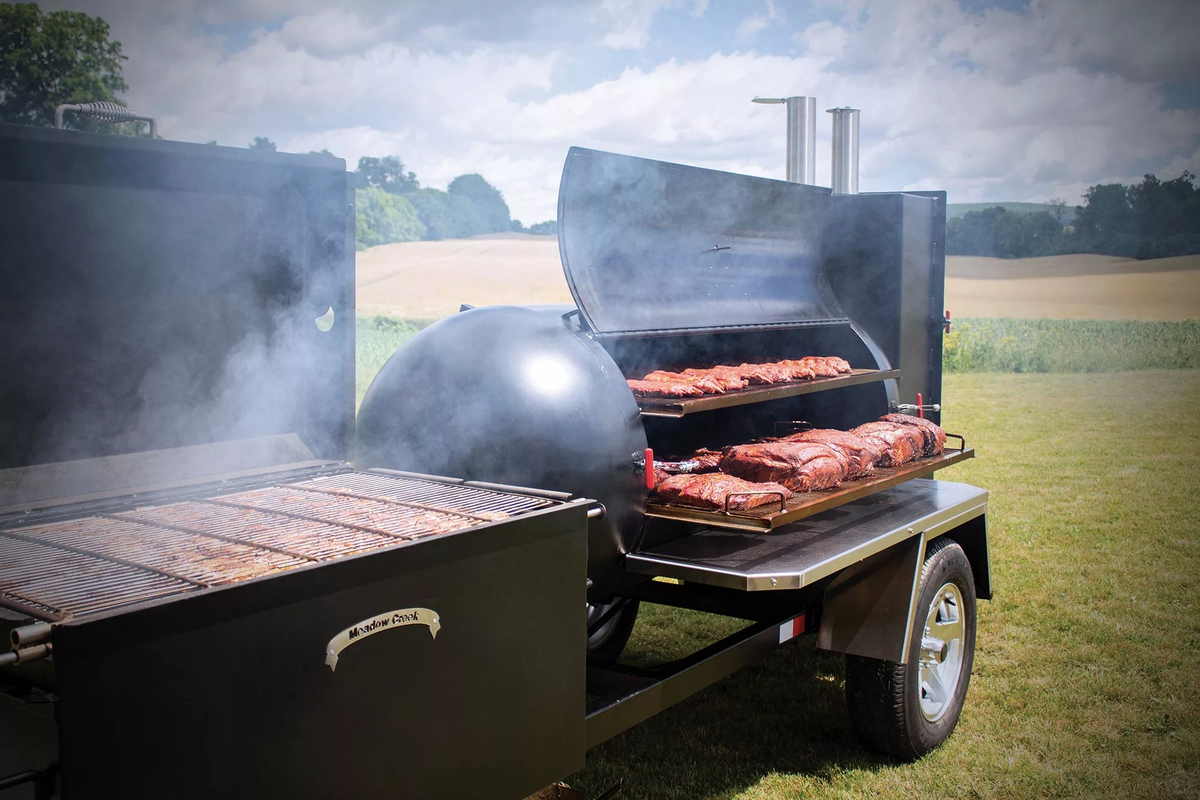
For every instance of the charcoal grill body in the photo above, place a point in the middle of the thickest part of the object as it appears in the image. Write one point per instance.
(178, 323)
(228, 692)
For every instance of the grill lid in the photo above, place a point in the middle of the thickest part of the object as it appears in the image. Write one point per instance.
(649, 246)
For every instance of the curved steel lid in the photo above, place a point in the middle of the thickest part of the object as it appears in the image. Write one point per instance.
(649, 246)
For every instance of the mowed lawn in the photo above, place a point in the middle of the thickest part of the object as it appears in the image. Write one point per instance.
(1086, 679)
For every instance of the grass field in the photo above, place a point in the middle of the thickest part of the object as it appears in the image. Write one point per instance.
(429, 280)
(1086, 681)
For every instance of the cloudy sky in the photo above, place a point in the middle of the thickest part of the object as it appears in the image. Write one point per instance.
(988, 99)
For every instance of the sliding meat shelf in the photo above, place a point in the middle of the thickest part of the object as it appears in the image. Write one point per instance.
(806, 504)
(675, 407)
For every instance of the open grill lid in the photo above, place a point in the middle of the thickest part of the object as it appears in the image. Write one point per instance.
(653, 247)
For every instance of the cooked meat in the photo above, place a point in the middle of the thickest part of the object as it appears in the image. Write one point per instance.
(713, 490)
(664, 389)
(710, 460)
(726, 376)
(800, 466)
(935, 437)
(661, 475)
(799, 370)
(764, 373)
(900, 443)
(840, 364)
(822, 368)
(860, 453)
(706, 383)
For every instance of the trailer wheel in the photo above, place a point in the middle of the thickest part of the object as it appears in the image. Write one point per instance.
(906, 710)
(609, 626)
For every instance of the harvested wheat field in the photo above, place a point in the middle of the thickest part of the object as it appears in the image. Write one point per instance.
(429, 280)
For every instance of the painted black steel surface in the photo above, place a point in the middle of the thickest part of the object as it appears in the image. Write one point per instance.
(226, 693)
(509, 395)
(652, 246)
(160, 294)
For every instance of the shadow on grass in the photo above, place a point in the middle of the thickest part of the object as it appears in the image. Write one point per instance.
(785, 714)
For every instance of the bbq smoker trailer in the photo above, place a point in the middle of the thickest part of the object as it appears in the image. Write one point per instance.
(217, 581)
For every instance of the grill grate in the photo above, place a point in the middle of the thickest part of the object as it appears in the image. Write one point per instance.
(58, 570)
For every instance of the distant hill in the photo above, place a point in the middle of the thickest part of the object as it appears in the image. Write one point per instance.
(958, 209)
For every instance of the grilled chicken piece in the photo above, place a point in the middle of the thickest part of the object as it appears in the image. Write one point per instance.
(934, 436)
(712, 490)
(727, 376)
(861, 454)
(800, 466)
(705, 383)
(664, 389)
(900, 443)
(764, 373)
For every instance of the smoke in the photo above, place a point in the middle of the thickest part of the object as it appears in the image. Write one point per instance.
(165, 295)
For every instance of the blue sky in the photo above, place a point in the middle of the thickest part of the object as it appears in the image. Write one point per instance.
(1003, 100)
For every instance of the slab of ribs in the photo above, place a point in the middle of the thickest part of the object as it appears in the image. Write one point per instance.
(723, 378)
(806, 461)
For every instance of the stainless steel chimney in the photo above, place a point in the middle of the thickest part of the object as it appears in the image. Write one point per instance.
(801, 136)
(844, 174)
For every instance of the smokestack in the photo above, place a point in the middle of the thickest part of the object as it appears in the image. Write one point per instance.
(801, 136)
(844, 175)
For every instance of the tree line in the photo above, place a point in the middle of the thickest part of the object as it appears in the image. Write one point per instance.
(392, 206)
(1150, 219)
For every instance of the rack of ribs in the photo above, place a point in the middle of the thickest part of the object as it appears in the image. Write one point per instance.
(861, 453)
(800, 466)
(664, 389)
(708, 384)
(900, 443)
(726, 376)
(934, 436)
(713, 490)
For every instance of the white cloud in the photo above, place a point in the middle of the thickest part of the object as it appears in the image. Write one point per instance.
(755, 24)
(998, 106)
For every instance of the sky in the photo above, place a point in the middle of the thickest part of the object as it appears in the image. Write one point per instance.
(990, 100)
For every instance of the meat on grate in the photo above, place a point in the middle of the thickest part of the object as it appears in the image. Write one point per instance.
(664, 389)
(861, 453)
(708, 384)
(714, 490)
(800, 466)
(931, 432)
(727, 376)
(900, 443)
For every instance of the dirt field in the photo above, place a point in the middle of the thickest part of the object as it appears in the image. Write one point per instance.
(428, 280)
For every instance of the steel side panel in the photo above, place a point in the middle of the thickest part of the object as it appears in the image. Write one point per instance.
(206, 702)
(799, 554)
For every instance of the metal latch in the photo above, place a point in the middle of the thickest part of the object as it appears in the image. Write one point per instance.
(919, 408)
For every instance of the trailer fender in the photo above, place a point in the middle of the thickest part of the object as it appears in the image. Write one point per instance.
(868, 607)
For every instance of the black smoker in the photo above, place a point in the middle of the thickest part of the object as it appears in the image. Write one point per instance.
(182, 413)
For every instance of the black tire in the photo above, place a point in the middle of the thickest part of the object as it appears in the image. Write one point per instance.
(884, 698)
(607, 642)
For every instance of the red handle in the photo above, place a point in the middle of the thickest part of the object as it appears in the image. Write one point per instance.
(920, 406)
(649, 469)
(947, 326)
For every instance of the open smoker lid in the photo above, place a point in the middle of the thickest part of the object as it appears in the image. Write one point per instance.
(653, 247)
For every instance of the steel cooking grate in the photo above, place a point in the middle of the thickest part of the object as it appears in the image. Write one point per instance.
(57, 570)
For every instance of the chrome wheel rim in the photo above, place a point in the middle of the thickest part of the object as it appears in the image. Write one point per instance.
(941, 652)
(594, 613)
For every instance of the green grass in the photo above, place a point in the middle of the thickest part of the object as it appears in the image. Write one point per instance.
(1069, 345)
(376, 338)
(1086, 680)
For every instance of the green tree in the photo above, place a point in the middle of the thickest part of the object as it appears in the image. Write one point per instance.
(50, 59)
(387, 173)
(382, 218)
(262, 143)
(488, 201)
